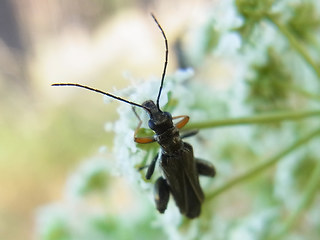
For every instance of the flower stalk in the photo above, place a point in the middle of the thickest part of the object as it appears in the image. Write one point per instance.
(263, 166)
(263, 118)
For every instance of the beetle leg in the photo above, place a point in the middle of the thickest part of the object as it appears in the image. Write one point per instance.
(183, 122)
(189, 133)
(141, 139)
(161, 194)
(151, 167)
(143, 167)
(205, 168)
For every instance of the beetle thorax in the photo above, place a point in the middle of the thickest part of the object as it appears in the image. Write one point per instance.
(170, 140)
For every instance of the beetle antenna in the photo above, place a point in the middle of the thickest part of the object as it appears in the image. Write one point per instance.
(166, 60)
(99, 91)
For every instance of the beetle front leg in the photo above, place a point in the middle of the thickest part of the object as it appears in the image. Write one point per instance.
(205, 168)
(183, 122)
(151, 167)
(142, 140)
(161, 194)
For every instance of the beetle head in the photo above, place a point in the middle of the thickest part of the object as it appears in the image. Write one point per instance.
(159, 120)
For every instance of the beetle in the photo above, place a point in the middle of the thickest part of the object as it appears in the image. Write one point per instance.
(180, 169)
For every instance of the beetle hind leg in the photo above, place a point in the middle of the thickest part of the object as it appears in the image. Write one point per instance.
(205, 168)
(161, 194)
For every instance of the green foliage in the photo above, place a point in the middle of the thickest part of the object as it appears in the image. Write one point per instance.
(110, 228)
(301, 171)
(253, 12)
(211, 37)
(57, 231)
(304, 22)
(96, 181)
(270, 89)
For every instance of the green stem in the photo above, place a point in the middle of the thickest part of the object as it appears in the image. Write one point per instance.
(309, 195)
(262, 166)
(294, 43)
(300, 90)
(263, 118)
(304, 92)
